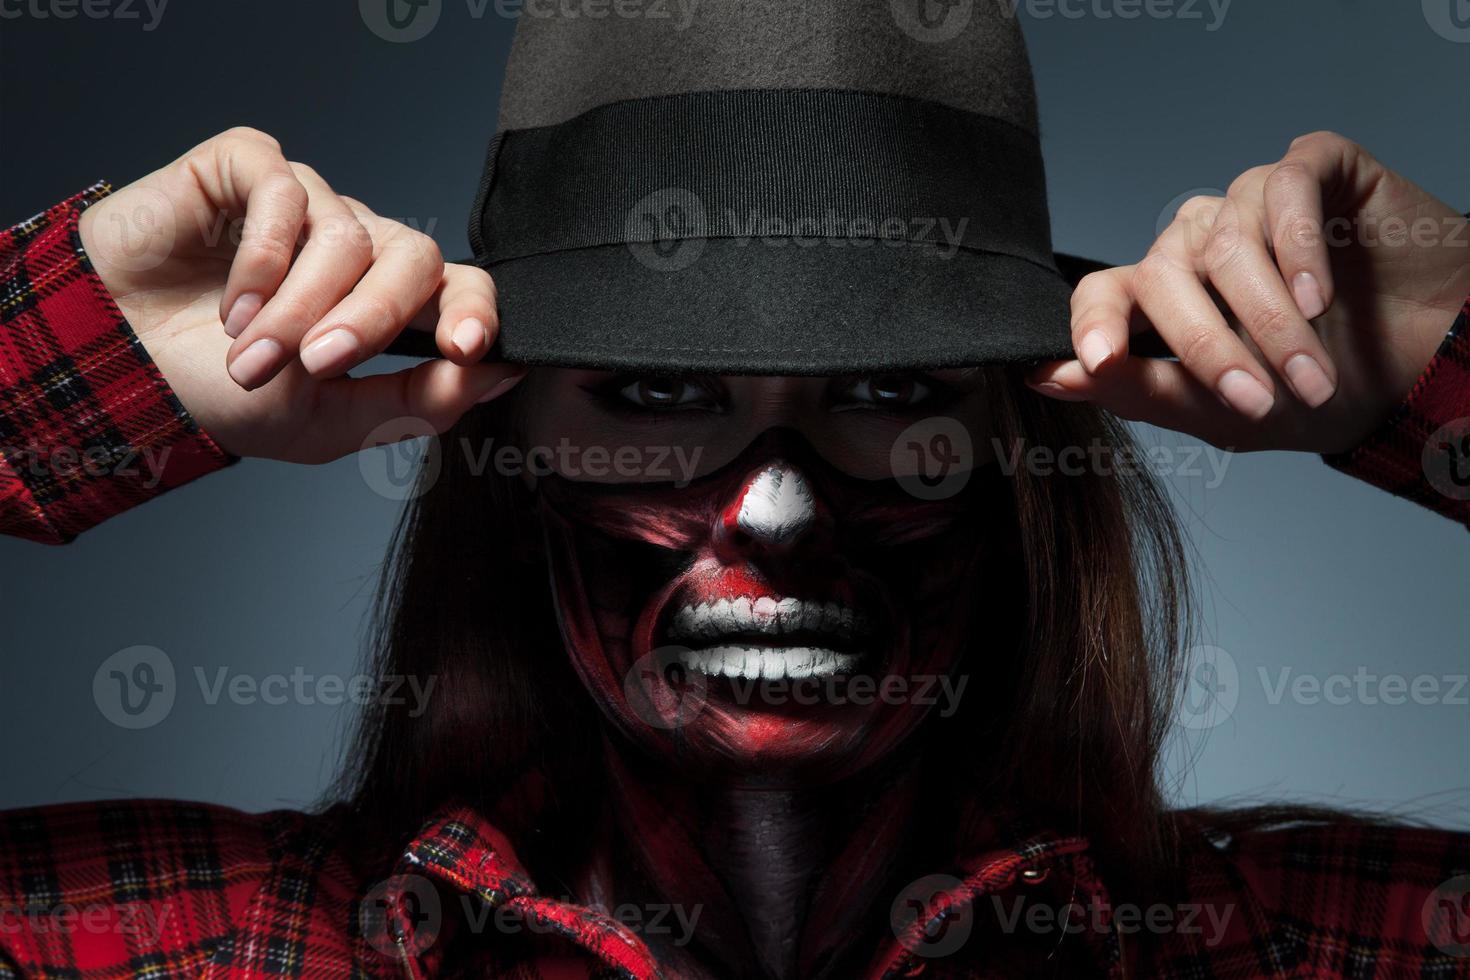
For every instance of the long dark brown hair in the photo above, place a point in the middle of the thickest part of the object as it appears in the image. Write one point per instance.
(1079, 681)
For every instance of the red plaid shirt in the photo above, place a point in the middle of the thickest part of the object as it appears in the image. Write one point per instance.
(158, 889)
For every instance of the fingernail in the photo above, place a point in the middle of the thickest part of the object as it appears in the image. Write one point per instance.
(1093, 350)
(1245, 394)
(1054, 390)
(504, 385)
(333, 352)
(242, 312)
(1309, 296)
(1308, 380)
(253, 365)
(469, 335)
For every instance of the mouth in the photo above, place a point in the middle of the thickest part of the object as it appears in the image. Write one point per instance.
(769, 638)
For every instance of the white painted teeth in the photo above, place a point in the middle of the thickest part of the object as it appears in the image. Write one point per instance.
(768, 663)
(765, 616)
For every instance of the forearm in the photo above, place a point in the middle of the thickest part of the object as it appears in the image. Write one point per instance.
(88, 426)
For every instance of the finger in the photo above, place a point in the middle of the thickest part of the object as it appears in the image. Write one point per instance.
(1318, 170)
(432, 396)
(1176, 302)
(1144, 389)
(1294, 213)
(462, 314)
(249, 175)
(406, 270)
(1241, 270)
(1101, 310)
(338, 250)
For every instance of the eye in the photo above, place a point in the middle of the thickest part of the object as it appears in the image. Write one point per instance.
(666, 393)
(885, 391)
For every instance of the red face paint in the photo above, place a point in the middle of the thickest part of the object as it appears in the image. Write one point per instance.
(775, 618)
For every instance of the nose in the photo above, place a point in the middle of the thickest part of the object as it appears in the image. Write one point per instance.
(773, 512)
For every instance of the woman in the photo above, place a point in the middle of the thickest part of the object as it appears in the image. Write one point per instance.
(813, 689)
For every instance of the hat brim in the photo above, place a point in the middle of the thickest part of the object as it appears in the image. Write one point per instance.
(810, 307)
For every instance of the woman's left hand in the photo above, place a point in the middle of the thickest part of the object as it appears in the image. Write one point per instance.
(1302, 306)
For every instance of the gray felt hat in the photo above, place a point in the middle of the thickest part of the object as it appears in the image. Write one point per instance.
(770, 186)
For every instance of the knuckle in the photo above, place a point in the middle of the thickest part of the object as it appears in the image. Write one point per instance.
(267, 252)
(381, 313)
(1270, 324)
(1246, 180)
(423, 250)
(1202, 209)
(305, 171)
(1153, 273)
(1225, 246)
(1319, 139)
(1295, 229)
(252, 136)
(1200, 347)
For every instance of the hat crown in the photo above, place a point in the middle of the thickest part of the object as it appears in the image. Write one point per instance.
(967, 54)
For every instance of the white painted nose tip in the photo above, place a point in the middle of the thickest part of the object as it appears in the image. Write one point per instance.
(777, 506)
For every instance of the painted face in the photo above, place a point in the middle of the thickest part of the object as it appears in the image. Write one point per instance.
(777, 616)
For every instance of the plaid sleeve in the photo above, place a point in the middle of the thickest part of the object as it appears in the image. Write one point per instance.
(1422, 452)
(88, 426)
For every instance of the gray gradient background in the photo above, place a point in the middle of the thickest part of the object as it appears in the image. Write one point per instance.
(267, 568)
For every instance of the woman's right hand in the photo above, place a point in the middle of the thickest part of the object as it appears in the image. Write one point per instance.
(255, 287)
